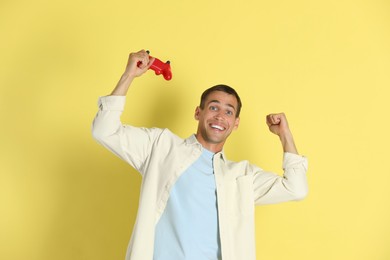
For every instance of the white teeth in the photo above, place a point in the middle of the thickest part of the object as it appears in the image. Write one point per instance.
(218, 127)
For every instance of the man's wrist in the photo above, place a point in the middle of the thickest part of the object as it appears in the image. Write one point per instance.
(123, 85)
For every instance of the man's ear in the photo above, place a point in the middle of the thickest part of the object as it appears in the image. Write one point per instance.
(236, 123)
(197, 111)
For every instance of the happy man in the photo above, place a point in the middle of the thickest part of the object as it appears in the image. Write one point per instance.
(194, 203)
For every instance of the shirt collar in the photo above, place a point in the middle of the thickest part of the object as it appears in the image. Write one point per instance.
(191, 140)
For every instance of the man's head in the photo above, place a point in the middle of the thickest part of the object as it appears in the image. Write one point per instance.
(218, 115)
(223, 88)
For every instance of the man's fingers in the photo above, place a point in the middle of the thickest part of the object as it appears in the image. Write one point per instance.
(268, 120)
(273, 119)
(138, 63)
(140, 58)
(277, 123)
(143, 59)
(151, 60)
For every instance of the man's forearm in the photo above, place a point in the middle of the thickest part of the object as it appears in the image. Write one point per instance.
(122, 86)
(288, 143)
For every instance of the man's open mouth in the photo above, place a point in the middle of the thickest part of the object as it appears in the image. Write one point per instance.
(221, 128)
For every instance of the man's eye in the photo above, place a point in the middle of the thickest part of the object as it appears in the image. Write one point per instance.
(229, 113)
(213, 108)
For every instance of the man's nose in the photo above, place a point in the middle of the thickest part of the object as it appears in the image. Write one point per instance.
(219, 115)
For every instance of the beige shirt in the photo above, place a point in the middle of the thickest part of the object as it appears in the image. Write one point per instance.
(161, 157)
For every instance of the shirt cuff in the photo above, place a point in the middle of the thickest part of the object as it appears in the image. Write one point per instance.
(114, 103)
(292, 160)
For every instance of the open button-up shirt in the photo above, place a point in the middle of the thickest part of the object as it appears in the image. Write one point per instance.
(161, 157)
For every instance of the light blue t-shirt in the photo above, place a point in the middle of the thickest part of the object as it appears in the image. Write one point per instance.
(188, 227)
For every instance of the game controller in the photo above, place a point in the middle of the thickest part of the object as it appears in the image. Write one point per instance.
(160, 67)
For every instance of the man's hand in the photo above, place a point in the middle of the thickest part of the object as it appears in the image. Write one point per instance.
(137, 64)
(277, 124)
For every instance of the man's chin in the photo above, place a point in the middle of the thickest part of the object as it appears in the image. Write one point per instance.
(216, 140)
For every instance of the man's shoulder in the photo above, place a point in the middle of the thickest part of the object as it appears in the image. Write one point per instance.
(159, 135)
(166, 135)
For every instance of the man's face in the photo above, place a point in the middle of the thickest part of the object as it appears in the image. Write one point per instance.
(216, 120)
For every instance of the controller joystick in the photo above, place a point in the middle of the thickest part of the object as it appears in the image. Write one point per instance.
(160, 67)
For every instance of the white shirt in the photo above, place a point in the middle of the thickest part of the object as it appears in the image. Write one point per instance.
(161, 157)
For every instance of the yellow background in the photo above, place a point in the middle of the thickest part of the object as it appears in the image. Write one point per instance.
(326, 64)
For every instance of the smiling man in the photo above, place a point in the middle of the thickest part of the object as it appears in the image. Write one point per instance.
(218, 116)
(194, 203)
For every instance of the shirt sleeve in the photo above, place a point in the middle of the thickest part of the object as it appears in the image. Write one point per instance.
(270, 188)
(132, 144)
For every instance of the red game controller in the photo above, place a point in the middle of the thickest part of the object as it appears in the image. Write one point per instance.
(160, 67)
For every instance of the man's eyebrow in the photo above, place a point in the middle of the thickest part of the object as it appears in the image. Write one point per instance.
(217, 101)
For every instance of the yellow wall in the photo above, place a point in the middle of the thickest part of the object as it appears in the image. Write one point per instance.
(326, 64)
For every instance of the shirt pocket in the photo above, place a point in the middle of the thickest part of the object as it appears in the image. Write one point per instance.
(242, 199)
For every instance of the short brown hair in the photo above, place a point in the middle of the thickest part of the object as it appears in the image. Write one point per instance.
(223, 88)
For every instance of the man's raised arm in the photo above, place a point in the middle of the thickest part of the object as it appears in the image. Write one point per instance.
(123, 140)
(271, 188)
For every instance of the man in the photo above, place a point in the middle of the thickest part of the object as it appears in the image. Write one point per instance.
(195, 203)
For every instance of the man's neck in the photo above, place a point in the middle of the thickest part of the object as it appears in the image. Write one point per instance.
(212, 147)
